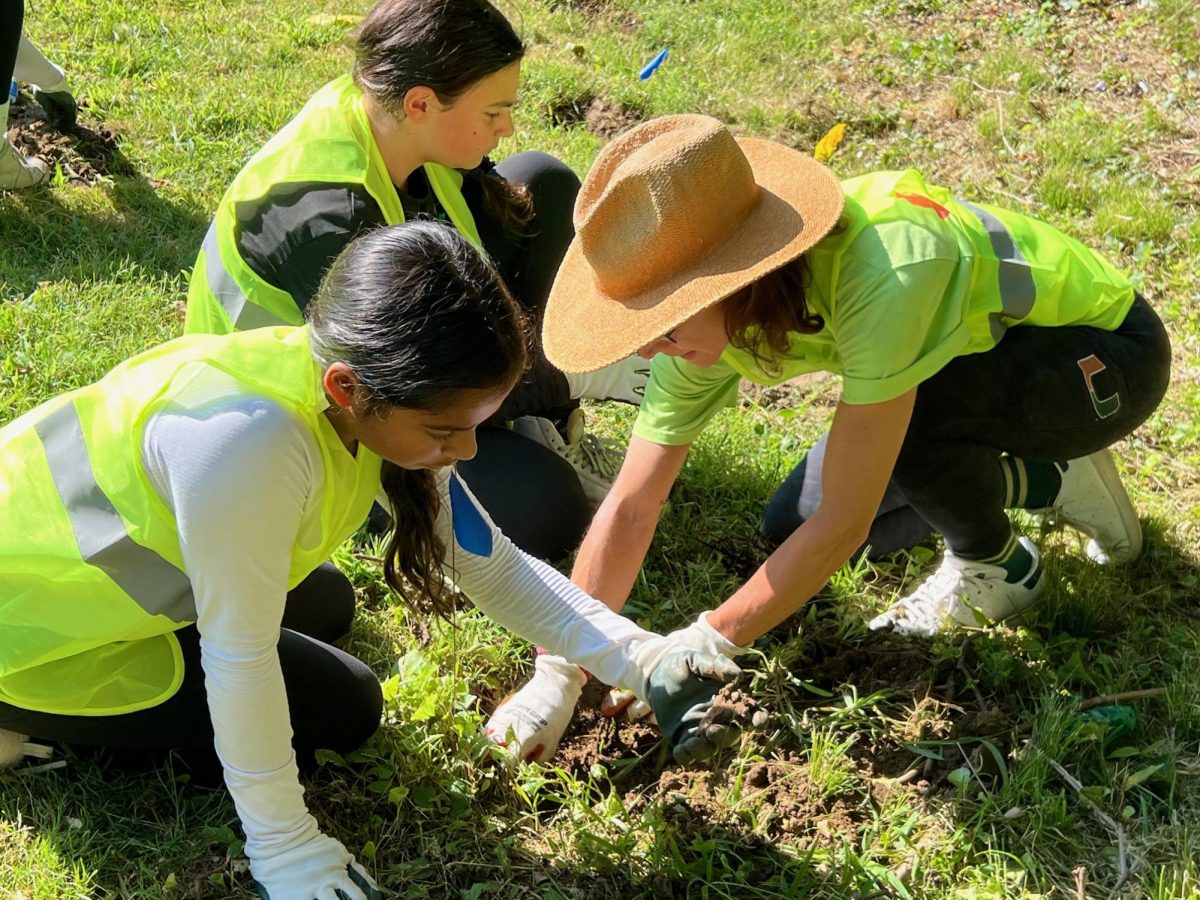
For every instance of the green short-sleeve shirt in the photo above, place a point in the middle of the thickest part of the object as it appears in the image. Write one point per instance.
(911, 279)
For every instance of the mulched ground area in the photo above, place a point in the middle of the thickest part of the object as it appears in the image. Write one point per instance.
(85, 154)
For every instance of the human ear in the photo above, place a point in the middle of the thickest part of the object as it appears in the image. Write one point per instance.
(419, 102)
(341, 384)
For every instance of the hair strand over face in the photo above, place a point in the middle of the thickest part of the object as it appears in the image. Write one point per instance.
(761, 317)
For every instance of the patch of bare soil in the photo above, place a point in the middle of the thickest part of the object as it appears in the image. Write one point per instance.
(599, 115)
(787, 804)
(85, 154)
(945, 703)
(589, 8)
(819, 390)
(596, 738)
(948, 712)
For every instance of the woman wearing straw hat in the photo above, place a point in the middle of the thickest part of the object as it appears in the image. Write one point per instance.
(987, 361)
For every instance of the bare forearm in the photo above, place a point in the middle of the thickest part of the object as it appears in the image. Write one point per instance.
(789, 578)
(612, 553)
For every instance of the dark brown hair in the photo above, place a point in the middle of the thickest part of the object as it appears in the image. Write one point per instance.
(761, 316)
(447, 46)
(420, 316)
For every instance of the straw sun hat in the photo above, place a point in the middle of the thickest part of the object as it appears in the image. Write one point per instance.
(674, 216)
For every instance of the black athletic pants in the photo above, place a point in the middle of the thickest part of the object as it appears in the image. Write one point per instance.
(1048, 394)
(532, 494)
(12, 19)
(335, 701)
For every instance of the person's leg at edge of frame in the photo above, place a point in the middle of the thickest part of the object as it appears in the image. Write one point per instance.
(896, 525)
(1025, 425)
(17, 172)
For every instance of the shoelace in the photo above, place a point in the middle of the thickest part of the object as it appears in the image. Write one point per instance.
(594, 454)
(943, 585)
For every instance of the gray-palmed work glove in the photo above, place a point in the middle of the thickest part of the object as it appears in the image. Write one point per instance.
(60, 108)
(700, 635)
(681, 691)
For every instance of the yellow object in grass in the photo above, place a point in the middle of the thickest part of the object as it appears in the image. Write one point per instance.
(827, 146)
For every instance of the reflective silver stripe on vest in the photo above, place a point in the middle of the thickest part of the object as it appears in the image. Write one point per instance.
(1017, 288)
(244, 314)
(153, 583)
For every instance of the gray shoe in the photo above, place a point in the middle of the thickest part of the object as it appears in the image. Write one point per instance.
(595, 459)
(17, 171)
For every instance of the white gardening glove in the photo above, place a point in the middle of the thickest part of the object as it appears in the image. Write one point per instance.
(318, 869)
(531, 722)
(698, 636)
(624, 381)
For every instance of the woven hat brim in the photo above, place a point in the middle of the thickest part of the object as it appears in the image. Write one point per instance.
(585, 329)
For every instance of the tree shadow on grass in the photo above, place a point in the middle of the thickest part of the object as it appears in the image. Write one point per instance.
(107, 219)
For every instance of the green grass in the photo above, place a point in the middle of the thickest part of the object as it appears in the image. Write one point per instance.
(1083, 112)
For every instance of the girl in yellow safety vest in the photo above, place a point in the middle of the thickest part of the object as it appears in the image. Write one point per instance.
(162, 529)
(987, 361)
(407, 135)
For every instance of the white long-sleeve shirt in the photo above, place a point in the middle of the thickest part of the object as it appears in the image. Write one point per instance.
(244, 477)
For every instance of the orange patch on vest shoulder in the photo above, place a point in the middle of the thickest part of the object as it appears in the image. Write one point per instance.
(926, 203)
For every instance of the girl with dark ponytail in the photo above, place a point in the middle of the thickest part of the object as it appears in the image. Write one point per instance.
(406, 135)
(162, 583)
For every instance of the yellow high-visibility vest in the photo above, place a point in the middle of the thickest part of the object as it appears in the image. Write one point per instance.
(92, 584)
(329, 141)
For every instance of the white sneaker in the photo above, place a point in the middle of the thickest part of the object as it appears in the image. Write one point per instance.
(17, 171)
(963, 592)
(597, 460)
(1093, 500)
(15, 747)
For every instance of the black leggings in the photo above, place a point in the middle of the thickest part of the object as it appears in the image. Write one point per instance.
(532, 494)
(1030, 396)
(528, 263)
(334, 700)
(12, 19)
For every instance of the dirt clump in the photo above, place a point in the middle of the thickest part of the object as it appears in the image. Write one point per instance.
(732, 705)
(601, 116)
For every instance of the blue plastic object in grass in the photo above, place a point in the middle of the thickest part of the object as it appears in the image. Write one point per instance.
(651, 67)
(12, 91)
